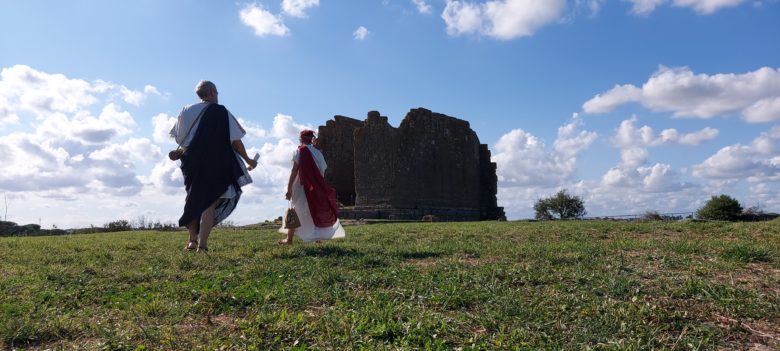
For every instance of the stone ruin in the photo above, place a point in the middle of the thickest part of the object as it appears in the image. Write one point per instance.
(431, 165)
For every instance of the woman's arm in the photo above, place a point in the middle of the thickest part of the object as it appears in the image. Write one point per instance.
(293, 173)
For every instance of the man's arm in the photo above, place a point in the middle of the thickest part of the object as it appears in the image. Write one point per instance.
(238, 145)
(174, 133)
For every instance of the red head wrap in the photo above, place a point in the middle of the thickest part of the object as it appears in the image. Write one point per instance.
(307, 135)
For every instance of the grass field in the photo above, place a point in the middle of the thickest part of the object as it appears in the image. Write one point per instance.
(470, 286)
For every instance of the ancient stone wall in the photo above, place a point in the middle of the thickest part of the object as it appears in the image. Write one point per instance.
(432, 164)
(335, 140)
(437, 163)
(376, 162)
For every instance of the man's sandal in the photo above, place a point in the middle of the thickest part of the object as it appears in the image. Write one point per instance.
(191, 246)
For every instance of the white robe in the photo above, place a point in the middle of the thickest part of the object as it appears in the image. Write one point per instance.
(308, 232)
(184, 130)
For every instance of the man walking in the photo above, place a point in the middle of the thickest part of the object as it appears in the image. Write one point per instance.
(212, 164)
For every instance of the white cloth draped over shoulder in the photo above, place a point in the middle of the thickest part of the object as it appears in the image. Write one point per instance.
(184, 123)
(308, 232)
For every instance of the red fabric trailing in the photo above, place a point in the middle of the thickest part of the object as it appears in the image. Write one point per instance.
(320, 196)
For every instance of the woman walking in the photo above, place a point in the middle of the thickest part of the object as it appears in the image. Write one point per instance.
(313, 199)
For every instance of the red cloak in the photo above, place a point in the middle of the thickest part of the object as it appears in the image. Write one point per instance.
(321, 197)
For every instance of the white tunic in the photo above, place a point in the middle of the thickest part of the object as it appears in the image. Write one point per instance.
(184, 124)
(189, 114)
(308, 232)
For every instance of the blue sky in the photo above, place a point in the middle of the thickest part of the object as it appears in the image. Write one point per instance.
(634, 105)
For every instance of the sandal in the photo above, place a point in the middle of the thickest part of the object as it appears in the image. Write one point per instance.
(192, 245)
(284, 242)
(203, 249)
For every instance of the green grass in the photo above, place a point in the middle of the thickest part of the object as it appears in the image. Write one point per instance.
(439, 286)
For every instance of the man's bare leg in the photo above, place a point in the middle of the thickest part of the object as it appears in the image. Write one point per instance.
(206, 223)
(192, 228)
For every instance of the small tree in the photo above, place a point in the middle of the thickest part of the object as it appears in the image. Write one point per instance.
(562, 205)
(118, 226)
(723, 207)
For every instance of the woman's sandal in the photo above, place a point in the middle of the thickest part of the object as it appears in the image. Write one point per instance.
(284, 242)
(192, 245)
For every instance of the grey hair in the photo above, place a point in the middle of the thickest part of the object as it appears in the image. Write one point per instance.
(204, 88)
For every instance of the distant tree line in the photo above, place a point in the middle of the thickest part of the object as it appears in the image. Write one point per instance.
(141, 223)
(563, 205)
(13, 229)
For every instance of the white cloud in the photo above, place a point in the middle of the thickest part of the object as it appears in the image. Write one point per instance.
(36, 165)
(150, 89)
(694, 138)
(297, 8)
(619, 95)
(511, 19)
(633, 186)
(706, 7)
(25, 89)
(83, 127)
(262, 21)
(659, 189)
(135, 97)
(165, 177)
(594, 6)
(644, 7)
(360, 33)
(462, 18)
(501, 19)
(252, 130)
(422, 6)
(162, 124)
(633, 142)
(765, 110)
(278, 154)
(756, 162)
(633, 174)
(523, 159)
(50, 159)
(629, 136)
(571, 140)
(633, 156)
(134, 149)
(285, 128)
(84, 157)
(735, 161)
(680, 91)
(132, 97)
(654, 179)
(7, 117)
(702, 7)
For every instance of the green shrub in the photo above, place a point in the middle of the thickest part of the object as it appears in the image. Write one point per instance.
(723, 208)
